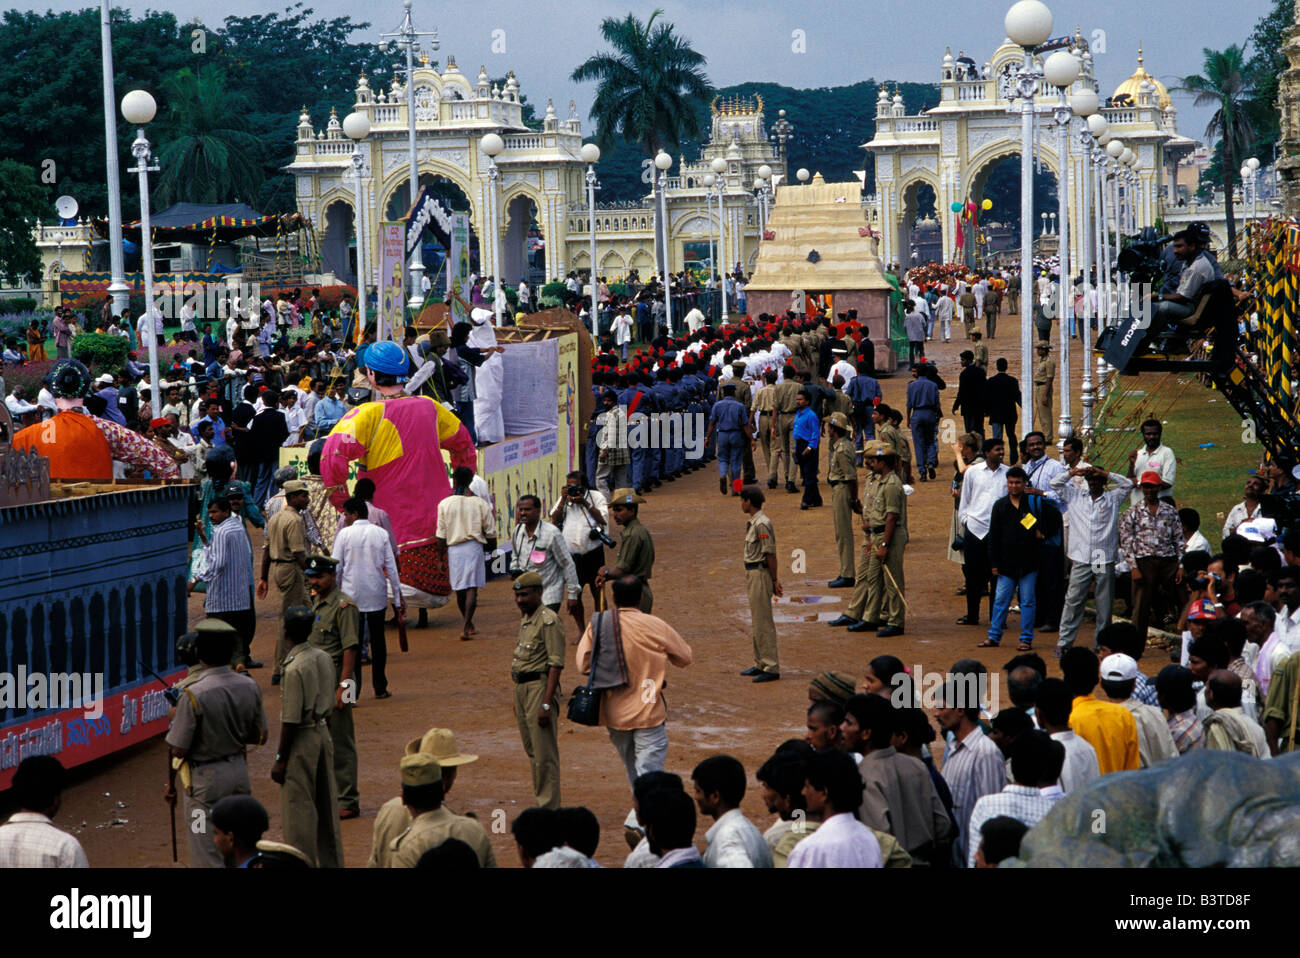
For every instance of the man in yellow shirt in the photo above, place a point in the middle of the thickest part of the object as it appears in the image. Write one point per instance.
(1107, 727)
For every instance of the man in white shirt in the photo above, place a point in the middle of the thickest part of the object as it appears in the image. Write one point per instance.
(982, 485)
(1153, 455)
(1092, 546)
(537, 546)
(294, 417)
(943, 312)
(582, 515)
(17, 404)
(366, 570)
(694, 319)
(831, 788)
(622, 330)
(1052, 709)
(29, 839)
(734, 841)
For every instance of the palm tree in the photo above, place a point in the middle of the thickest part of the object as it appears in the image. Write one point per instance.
(1228, 85)
(207, 154)
(651, 88)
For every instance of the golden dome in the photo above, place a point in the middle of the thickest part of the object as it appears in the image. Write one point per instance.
(1132, 86)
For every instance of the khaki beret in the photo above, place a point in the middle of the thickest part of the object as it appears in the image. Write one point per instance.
(529, 580)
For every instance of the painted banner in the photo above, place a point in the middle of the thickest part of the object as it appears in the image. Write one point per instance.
(458, 268)
(391, 316)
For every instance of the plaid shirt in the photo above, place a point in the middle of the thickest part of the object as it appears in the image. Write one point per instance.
(973, 768)
(1141, 534)
(1187, 731)
(1021, 802)
(614, 436)
(1145, 691)
(30, 840)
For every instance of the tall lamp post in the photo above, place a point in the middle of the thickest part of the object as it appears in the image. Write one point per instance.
(591, 156)
(406, 36)
(139, 109)
(708, 180)
(117, 288)
(1061, 69)
(492, 145)
(782, 130)
(719, 167)
(663, 162)
(1084, 104)
(1028, 24)
(356, 126)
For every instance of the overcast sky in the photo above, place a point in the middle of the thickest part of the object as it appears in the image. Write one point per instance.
(845, 40)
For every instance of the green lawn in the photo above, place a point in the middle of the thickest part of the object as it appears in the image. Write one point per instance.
(1209, 480)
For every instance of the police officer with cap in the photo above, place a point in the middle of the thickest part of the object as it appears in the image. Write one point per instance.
(636, 550)
(217, 716)
(1044, 380)
(535, 671)
(304, 759)
(337, 632)
(432, 823)
(842, 474)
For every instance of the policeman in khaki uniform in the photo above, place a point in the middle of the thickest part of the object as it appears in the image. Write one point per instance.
(337, 632)
(761, 584)
(842, 474)
(782, 433)
(394, 818)
(304, 760)
(888, 535)
(218, 715)
(636, 549)
(535, 670)
(883, 496)
(763, 401)
(980, 350)
(1044, 380)
(284, 557)
(431, 822)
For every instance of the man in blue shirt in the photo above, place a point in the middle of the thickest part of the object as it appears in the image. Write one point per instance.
(865, 393)
(807, 435)
(330, 409)
(212, 414)
(729, 421)
(923, 419)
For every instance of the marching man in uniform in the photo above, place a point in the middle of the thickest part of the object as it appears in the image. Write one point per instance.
(761, 584)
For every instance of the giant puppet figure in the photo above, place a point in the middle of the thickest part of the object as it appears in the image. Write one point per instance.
(398, 440)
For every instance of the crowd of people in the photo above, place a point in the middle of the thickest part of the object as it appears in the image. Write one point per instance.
(1049, 538)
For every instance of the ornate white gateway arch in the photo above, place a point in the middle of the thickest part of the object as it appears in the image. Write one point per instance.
(953, 147)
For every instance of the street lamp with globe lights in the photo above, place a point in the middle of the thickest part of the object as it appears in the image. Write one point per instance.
(591, 156)
(492, 145)
(1084, 104)
(718, 166)
(406, 37)
(139, 109)
(707, 181)
(356, 127)
(802, 175)
(1061, 70)
(1028, 24)
(664, 162)
(764, 178)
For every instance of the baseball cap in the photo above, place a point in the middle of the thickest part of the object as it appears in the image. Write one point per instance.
(1202, 609)
(1119, 667)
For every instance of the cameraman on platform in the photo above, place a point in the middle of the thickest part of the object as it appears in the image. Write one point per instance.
(582, 514)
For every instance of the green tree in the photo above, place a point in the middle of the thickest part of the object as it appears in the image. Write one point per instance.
(206, 152)
(1226, 84)
(650, 88)
(1266, 65)
(22, 202)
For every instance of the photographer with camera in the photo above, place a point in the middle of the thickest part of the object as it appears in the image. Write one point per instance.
(582, 515)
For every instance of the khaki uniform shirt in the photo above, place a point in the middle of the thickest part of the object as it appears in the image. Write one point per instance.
(338, 626)
(842, 466)
(890, 499)
(1044, 371)
(636, 551)
(307, 686)
(981, 352)
(783, 397)
(541, 643)
(765, 399)
(889, 433)
(430, 829)
(743, 394)
(760, 538)
(286, 534)
(221, 714)
(868, 492)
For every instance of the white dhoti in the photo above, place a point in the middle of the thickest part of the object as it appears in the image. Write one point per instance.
(465, 565)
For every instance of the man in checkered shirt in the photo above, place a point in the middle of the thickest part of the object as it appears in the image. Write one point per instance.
(1036, 763)
(29, 839)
